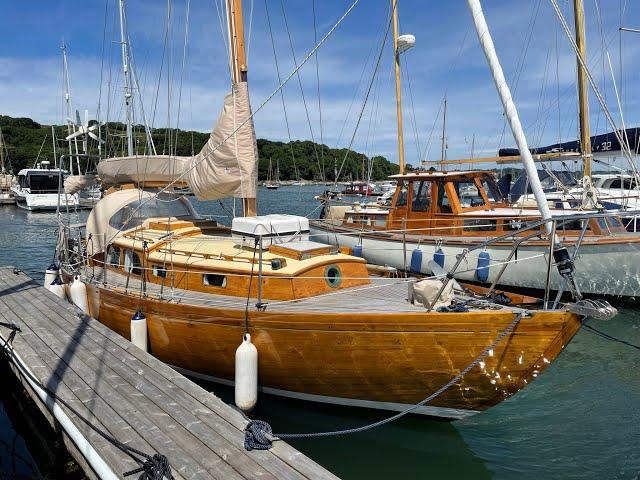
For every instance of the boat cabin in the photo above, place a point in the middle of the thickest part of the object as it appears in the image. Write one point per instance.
(38, 180)
(467, 203)
(358, 188)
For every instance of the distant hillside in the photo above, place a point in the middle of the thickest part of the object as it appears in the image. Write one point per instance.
(24, 138)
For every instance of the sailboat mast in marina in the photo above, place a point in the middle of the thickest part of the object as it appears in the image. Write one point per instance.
(239, 72)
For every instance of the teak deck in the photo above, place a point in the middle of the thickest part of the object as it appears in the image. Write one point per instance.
(132, 396)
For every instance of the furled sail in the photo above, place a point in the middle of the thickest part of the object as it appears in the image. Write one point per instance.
(605, 145)
(75, 183)
(227, 164)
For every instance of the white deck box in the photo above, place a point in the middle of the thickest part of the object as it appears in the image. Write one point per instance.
(273, 229)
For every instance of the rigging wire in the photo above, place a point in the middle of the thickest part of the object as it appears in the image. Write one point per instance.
(193, 165)
(315, 40)
(366, 98)
(284, 106)
(623, 145)
(304, 100)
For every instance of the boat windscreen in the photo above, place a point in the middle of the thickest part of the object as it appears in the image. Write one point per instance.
(135, 213)
(43, 182)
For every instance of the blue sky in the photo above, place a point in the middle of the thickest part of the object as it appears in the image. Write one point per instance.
(538, 63)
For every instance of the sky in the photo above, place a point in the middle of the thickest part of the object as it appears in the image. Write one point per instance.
(183, 83)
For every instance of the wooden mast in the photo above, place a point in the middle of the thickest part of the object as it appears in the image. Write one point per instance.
(238, 61)
(396, 53)
(583, 89)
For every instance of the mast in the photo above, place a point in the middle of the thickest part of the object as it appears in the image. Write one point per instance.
(71, 126)
(55, 153)
(238, 66)
(396, 54)
(583, 89)
(126, 69)
(443, 148)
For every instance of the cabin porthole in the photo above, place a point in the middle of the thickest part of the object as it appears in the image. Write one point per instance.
(333, 276)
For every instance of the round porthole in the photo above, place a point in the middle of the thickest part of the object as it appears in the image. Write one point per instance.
(333, 276)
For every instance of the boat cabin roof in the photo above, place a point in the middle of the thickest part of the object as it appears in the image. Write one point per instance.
(212, 249)
(41, 171)
(433, 175)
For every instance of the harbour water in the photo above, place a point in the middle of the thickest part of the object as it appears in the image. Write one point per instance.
(580, 419)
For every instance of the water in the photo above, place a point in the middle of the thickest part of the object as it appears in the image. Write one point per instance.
(580, 419)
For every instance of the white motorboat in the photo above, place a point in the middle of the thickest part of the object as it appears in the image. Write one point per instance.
(38, 189)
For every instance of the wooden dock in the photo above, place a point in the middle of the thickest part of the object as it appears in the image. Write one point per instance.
(129, 395)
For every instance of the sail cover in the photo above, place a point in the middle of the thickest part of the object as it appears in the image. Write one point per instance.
(227, 164)
(75, 183)
(141, 169)
(602, 145)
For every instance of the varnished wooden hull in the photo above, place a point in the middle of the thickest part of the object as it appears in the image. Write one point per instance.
(388, 358)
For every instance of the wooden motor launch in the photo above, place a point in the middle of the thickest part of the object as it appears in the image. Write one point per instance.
(447, 213)
(326, 325)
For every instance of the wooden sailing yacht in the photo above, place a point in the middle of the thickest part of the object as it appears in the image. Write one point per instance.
(325, 328)
(440, 215)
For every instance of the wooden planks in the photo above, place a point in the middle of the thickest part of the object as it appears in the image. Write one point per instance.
(133, 396)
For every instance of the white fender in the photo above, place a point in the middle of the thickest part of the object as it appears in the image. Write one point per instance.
(50, 274)
(139, 330)
(246, 384)
(57, 288)
(78, 295)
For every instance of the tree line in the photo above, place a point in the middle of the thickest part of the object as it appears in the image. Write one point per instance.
(26, 140)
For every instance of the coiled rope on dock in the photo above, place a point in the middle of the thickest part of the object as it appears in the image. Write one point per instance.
(259, 434)
(152, 467)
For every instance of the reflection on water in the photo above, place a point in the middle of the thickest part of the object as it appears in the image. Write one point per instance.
(579, 419)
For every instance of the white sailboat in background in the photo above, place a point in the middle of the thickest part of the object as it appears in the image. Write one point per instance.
(273, 178)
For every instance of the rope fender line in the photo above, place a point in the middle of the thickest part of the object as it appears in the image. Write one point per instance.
(258, 434)
(152, 467)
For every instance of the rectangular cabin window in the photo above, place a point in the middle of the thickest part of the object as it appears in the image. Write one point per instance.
(402, 195)
(159, 271)
(480, 225)
(380, 221)
(214, 280)
(113, 258)
(444, 205)
(491, 189)
(421, 197)
(468, 194)
(573, 225)
(132, 262)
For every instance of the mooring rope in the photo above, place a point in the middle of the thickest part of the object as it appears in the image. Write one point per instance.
(611, 338)
(152, 467)
(258, 434)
